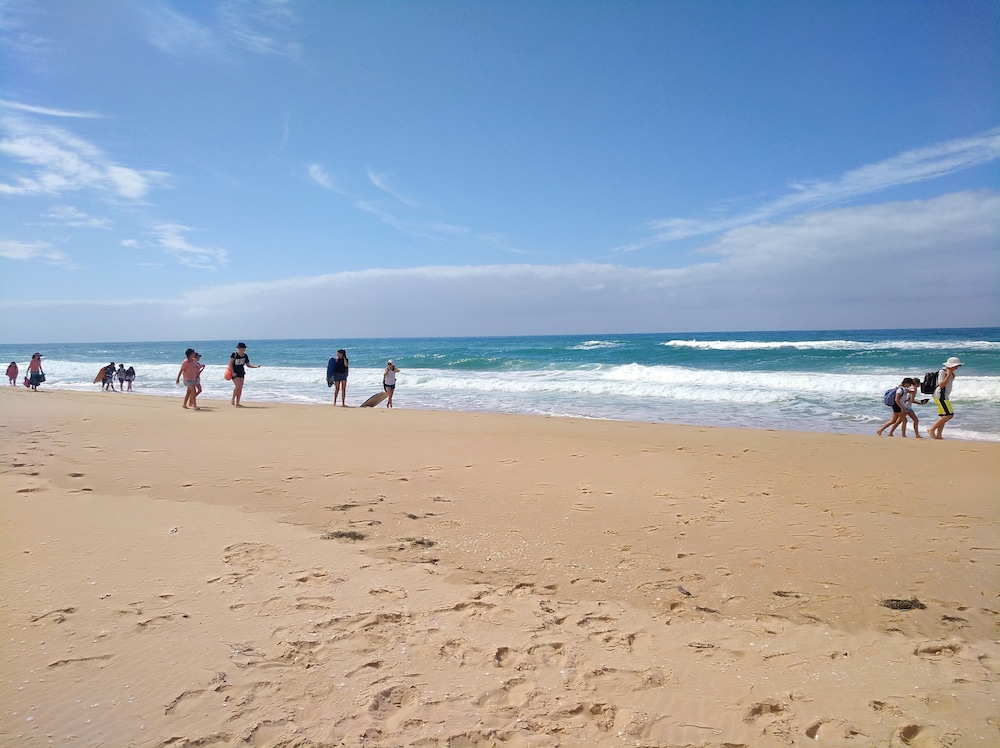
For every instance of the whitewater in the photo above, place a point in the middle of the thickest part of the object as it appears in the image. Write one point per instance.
(802, 381)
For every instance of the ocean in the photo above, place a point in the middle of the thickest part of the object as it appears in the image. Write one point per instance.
(803, 381)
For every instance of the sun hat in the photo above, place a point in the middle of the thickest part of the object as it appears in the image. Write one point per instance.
(389, 362)
(241, 345)
(953, 361)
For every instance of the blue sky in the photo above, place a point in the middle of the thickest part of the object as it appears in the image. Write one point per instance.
(260, 169)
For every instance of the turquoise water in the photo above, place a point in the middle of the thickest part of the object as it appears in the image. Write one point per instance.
(805, 381)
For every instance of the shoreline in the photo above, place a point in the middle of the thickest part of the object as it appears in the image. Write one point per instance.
(954, 432)
(521, 579)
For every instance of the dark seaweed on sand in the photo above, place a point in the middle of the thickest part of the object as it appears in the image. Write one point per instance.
(894, 604)
(344, 535)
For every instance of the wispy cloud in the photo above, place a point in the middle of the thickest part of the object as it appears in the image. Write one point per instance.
(67, 215)
(38, 250)
(381, 181)
(318, 175)
(178, 35)
(170, 238)
(17, 106)
(55, 162)
(918, 165)
(262, 27)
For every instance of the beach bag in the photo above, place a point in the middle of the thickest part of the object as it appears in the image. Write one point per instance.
(26, 382)
(228, 376)
(929, 384)
(889, 398)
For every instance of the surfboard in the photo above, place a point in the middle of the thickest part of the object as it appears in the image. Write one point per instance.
(374, 400)
(100, 375)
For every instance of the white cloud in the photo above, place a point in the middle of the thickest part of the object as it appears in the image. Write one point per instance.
(57, 162)
(170, 238)
(931, 262)
(67, 215)
(917, 165)
(176, 34)
(46, 111)
(38, 250)
(263, 27)
(318, 175)
(381, 181)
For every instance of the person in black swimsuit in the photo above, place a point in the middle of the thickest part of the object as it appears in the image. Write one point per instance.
(337, 371)
(239, 361)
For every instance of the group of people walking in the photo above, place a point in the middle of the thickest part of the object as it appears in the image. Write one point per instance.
(903, 397)
(33, 378)
(191, 369)
(123, 375)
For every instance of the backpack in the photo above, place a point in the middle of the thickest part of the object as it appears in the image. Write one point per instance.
(889, 398)
(930, 383)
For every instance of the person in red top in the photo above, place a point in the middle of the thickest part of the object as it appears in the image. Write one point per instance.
(190, 371)
(12, 371)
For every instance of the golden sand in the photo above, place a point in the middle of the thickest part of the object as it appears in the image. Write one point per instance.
(284, 575)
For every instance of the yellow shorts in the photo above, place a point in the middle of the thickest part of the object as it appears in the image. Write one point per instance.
(944, 407)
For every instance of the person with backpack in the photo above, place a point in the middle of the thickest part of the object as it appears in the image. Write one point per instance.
(942, 396)
(893, 398)
(908, 402)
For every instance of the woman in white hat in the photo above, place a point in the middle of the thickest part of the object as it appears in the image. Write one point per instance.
(942, 396)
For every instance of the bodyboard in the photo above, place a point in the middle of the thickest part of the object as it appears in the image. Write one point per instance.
(374, 400)
(100, 375)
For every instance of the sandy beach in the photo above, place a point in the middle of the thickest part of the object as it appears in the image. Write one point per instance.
(282, 575)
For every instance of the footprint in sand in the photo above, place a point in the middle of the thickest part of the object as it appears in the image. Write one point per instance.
(81, 660)
(57, 616)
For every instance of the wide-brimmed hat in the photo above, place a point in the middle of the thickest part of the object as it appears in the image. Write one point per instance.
(389, 362)
(953, 361)
(241, 345)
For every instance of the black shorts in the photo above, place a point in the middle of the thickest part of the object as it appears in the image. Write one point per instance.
(896, 408)
(388, 387)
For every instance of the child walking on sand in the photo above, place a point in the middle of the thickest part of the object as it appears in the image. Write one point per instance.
(897, 407)
(190, 371)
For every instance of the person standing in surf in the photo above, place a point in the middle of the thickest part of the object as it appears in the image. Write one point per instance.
(35, 374)
(12, 372)
(238, 362)
(336, 375)
(942, 396)
(108, 382)
(389, 380)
